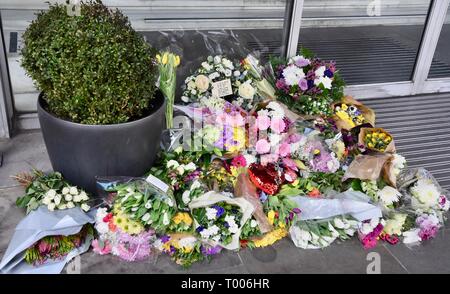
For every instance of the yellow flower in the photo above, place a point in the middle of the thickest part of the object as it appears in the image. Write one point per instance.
(271, 216)
(281, 224)
(165, 58)
(158, 58)
(316, 151)
(187, 249)
(270, 238)
(344, 106)
(296, 182)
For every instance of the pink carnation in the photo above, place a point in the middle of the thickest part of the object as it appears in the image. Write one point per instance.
(102, 251)
(263, 122)
(284, 149)
(277, 125)
(262, 146)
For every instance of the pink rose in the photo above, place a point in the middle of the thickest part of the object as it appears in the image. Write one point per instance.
(263, 122)
(262, 146)
(284, 149)
(277, 125)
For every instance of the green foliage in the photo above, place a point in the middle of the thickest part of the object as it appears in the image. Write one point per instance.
(93, 68)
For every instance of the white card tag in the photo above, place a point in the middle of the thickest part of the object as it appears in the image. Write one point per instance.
(158, 183)
(222, 88)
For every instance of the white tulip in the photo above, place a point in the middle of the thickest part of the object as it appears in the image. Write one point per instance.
(73, 191)
(57, 199)
(51, 206)
(51, 194)
(85, 207)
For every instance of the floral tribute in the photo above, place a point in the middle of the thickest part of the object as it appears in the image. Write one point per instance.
(272, 147)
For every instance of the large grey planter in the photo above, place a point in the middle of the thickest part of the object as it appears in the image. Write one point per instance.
(82, 152)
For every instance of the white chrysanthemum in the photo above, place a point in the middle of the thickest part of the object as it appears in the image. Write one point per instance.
(292, 75)
(211, 213)
(398, 163)
(388, 195)
(246, 91)
(426, 194)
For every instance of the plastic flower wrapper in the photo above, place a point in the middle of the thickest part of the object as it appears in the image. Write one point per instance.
(147, 202)
(264, 87)
(50, 190)
(39, 225)
(122, 237)
(314, 234)
(167, 64)
(218, 219)
(246, 189)
(349, 113)
(186, 249)
(237, 86)
(376, 139)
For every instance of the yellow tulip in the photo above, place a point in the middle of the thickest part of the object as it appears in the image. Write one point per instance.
(164, 58)
(158, 57)
(177, 60)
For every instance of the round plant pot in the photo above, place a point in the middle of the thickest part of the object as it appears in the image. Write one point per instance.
(82, 152)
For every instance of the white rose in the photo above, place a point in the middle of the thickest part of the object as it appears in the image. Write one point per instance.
(84, 196)
(50, 194)
(62, 206)
(227, 73)
(68, 197)
(202, 83)
(184, 99)
(73, 190)
(85, 207)
(236, 73)
(206, 66)
(227, 63)
(76, 198)
(70, 205)
(246, 91)
(51, 206)
(65, 190)
(217, 59)
(172, 164)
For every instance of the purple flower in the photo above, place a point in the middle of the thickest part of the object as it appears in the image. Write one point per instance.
(199, 229)
(280, 84)
(328, 73)
(296, 210)
(220, 210)
(226, 225)
(263, 197)
(165, 238)
(303, 84)
(301, 62)
(310, 84)
(210, 250)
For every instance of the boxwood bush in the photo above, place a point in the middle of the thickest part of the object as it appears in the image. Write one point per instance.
(93, 68)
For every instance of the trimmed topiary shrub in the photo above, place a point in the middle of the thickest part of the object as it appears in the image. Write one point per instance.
(93, 68)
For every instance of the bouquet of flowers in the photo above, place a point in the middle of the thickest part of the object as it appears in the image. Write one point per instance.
(350, 113)
(121, 236)
(167, 64)
(219, 219)
(56, 247)
(50, 190)
(308, 85)
(185, 249)
(144, 203)
(376, 139)
(315, 234)
(219, 77)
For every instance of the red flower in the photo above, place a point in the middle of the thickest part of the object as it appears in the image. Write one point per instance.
(239, 161)
(314, 193)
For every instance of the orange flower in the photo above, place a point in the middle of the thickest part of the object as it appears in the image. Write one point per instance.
(112, 227)
(314, 193)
